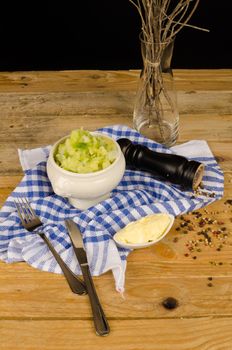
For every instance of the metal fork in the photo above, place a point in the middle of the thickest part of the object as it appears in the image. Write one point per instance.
(31, 221)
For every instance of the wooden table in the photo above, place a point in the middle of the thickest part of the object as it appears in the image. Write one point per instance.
(37, 309)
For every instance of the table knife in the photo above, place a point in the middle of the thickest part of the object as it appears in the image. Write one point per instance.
(100, 321)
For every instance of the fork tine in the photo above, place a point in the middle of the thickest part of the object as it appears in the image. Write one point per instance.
(28, 209)
(19, 210)
(23, 209)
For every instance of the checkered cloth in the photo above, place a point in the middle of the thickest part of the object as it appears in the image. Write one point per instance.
(137, 195)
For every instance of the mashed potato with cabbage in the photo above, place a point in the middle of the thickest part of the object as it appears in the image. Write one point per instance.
(84, 152)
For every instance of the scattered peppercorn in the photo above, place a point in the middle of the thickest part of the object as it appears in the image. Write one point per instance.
(213, 232)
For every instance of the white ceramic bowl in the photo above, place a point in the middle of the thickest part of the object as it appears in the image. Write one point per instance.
(147, 244)
(85, 190)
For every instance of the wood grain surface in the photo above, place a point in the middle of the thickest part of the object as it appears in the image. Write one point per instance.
(37, 309)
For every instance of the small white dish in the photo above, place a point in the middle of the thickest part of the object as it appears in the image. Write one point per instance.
(85, 190)
(146, 244)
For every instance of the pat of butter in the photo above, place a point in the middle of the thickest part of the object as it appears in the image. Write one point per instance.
(144, 230)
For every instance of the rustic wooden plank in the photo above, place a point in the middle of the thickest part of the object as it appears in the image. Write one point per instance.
(197, 80)
(201, 103)
(50, 298)
(96, 80)
(175, 334)
(102, 103)
(35, 131)
(67, 103)
(54, 81)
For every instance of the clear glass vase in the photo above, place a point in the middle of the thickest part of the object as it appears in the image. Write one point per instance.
(155, 113)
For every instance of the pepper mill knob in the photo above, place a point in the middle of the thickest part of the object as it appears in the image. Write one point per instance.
(172, 167)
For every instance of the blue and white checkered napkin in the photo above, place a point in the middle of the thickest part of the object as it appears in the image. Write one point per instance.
(137, 195)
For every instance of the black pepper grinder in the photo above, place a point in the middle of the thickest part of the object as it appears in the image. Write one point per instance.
(174, 168)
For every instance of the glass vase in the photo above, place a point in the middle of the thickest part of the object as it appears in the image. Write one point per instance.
(155, 112)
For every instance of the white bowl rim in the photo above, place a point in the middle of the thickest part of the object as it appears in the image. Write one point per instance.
(80, 175)
(146, 244)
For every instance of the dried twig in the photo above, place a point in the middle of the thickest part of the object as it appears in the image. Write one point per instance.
(161, 21)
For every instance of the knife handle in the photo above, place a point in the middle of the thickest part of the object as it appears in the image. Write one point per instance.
(76, 284)
(100, 321)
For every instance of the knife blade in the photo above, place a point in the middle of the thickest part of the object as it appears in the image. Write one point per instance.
(77, 241)
(100, 321)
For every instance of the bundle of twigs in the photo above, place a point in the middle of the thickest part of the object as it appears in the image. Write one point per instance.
(161, 21)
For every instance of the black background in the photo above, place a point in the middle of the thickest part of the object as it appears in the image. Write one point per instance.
(93, 34)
